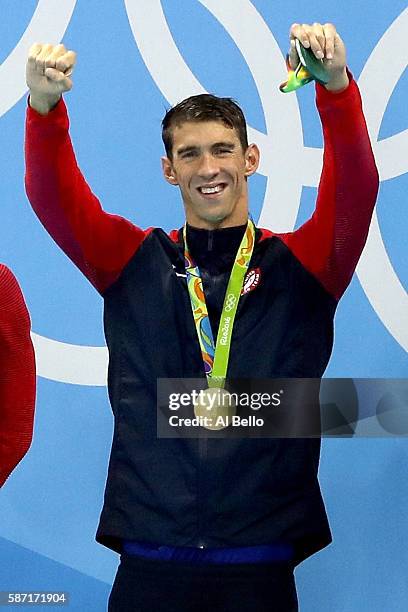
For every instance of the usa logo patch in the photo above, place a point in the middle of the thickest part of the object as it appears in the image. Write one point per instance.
(251, 280)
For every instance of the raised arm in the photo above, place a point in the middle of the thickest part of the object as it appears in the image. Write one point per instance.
(17, 375)
(100, 244)
(330, 243)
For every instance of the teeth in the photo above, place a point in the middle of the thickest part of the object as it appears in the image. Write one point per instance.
(215, 189)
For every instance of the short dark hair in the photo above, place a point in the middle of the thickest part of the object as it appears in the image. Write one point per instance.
(204, 107)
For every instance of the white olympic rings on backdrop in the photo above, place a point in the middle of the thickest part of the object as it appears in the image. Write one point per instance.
(282, 146)
(55, 360)
(48, 24)
(377, 276)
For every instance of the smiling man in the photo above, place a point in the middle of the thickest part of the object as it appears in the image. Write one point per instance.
(209, 524)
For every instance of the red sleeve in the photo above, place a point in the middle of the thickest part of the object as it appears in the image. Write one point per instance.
(100, 244)
(330, 243)
(17, 375)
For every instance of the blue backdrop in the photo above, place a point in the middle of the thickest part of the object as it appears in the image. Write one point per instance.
(135, 59)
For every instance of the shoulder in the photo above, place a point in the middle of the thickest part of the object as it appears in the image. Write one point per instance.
(11, 296)
(7, 279)
(263, 234)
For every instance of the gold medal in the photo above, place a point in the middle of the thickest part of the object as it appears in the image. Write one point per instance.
(215, 407)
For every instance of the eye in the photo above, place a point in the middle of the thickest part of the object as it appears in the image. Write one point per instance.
(223, 151)
(189, 154)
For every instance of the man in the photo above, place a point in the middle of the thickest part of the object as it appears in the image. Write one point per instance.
(17, 375)
(207, 524)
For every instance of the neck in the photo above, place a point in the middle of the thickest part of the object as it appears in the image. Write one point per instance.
(199, 223)
(214, 228)
(214, 250)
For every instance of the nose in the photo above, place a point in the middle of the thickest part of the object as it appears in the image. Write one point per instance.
(209, 167)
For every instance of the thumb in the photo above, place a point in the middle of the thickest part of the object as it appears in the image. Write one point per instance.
(58, 77)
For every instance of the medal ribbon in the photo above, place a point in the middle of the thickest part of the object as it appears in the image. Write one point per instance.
(215, 356)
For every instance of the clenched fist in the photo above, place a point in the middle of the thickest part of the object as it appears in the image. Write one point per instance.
(49, 71)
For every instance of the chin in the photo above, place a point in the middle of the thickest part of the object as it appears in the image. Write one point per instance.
(217, 215)
(215, 219)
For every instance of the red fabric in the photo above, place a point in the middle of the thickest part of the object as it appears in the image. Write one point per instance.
(330, 243)
(99, 243)
(17, 375)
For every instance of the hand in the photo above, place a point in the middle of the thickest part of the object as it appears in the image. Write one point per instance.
(326, 44)
(48, 73)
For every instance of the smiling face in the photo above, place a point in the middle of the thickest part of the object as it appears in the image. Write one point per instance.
(210, 168)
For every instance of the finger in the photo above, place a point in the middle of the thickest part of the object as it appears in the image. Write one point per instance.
(66, 62)
(34, 51)
(57, 51)
(45, 51)
(298, 31)
(40, 63)
(317, 30)
(52, 58)
(293, 55)
(35, 61)
(316, 46)
(329, 34)
(338, 41)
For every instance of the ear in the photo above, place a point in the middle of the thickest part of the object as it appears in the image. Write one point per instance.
(252, 157)
(168, 171)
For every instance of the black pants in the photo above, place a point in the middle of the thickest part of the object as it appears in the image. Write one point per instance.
(144, 585)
